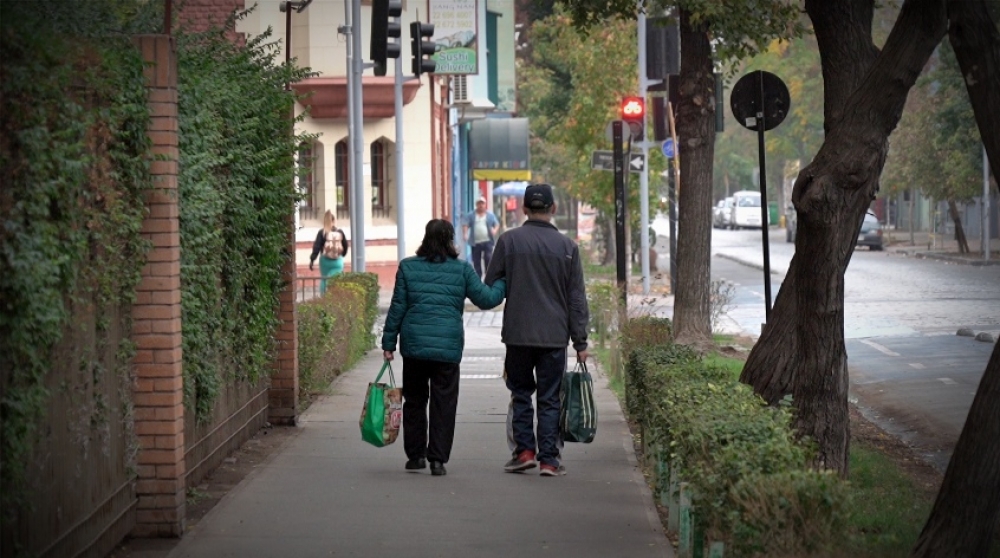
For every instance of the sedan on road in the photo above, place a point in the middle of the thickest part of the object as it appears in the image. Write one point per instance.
(871, 232)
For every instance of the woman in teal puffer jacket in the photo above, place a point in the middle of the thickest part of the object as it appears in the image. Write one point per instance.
(426, 316)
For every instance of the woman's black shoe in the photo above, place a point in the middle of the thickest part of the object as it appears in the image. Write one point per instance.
(415, 464)
(437, 469)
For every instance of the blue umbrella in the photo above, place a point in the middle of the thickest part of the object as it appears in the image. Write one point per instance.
(511, 189)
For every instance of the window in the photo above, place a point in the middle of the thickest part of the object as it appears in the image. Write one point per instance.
(308, 206)
(378, 178)
(342, 162)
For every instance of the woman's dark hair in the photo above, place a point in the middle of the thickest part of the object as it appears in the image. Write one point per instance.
(439, 241)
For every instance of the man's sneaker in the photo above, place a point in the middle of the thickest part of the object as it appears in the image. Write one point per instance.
(551, 471)
(522, 462)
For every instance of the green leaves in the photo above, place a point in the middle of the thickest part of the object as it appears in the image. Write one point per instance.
(236, 199)
(74, 165)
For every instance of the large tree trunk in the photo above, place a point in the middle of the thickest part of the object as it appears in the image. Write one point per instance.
(771, 372)
(696, 132)
(830, 198)
(843, 33)
(956, 218)
(967, 507)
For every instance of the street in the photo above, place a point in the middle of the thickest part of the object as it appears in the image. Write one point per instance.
(909, 371)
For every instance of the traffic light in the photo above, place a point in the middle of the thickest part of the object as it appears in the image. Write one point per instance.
(386, 31)
(634, 114)
(421, 45)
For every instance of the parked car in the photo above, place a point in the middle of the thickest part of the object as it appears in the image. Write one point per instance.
(870, 234)
(746, 210)
(722, 213)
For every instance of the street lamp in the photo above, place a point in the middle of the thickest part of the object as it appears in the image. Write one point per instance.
(286, 8)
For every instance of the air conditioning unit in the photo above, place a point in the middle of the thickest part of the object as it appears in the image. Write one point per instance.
(460, 89)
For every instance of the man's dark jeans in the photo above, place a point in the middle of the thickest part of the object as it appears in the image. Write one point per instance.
(531, 369)
(482, 253)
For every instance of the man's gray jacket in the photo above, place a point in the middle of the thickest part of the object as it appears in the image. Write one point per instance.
(546, 298)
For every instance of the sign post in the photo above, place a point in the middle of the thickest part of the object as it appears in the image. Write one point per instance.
(618, 158)
(760, 102)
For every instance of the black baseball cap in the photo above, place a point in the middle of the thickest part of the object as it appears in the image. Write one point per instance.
(538, 196)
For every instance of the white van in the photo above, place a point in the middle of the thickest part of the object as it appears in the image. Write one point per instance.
(746, 210)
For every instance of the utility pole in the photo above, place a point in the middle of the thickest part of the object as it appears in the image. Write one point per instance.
(356, 107)
(400, 192)
(644, 146)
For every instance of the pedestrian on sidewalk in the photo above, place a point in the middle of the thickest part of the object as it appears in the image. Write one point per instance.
(426, 316)
(331, 247)
(546, 308)
(480, 229)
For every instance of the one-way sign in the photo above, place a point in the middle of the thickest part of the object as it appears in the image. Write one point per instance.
(604, 160)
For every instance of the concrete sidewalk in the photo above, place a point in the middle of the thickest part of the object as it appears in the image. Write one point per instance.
(327, 493)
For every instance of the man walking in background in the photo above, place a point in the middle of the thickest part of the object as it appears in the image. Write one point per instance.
(546, 308)
(480, 228)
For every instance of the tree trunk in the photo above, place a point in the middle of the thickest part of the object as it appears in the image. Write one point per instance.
(771, 372)
(967, 507)
(843, 33)
(976, 42)
(956, 218)
(696, 133)
(832, 193)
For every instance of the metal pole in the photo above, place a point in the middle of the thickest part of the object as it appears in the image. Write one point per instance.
(763, 199)
(400, 192)
(672, 218)
(619, 168)
(358, 144)
(644, 146)
(986, 207)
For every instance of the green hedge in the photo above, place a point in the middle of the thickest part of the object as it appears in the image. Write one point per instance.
(335, 330)
(749, 474)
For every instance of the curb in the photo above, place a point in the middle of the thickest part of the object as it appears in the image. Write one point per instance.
(947, 257)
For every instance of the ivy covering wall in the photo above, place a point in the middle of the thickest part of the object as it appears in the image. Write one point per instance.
(73, 167)
(236, 199)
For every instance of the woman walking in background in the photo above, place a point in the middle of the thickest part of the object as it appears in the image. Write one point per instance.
(426, 315)
(331, 247)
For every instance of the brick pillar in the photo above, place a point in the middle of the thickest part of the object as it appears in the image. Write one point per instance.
(283, 394)
(158, 393)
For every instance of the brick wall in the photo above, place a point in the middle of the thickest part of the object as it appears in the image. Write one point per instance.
(200, 15)
(158, 393)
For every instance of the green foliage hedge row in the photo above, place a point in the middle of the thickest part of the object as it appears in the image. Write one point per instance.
(236, 195)
(335, 330)
(73, 167)
(752, 484)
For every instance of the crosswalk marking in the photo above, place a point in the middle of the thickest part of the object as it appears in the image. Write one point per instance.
(480, 376)
(880, 348)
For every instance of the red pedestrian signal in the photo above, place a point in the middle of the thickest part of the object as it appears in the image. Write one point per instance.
(633, 111)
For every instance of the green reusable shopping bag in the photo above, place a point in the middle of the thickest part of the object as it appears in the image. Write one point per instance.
(383, 411)
(577, 413)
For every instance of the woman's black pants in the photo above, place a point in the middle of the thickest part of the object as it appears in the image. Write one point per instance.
(437, 381)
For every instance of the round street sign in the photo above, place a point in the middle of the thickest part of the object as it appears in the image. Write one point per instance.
(668, 148)
(626, 132)
(760, 94)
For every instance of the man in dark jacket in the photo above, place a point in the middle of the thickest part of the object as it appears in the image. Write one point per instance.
(546, 308)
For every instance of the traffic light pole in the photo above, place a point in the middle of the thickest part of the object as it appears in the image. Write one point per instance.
(357, 198)
(618, 158)
(400, 193)
(644, 146)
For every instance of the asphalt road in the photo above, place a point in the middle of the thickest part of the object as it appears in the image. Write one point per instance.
(909, 371)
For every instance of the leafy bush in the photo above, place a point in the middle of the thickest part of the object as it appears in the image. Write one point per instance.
(74, 163)
(236, 195)
(335, 330)
(603, 299)
(790, 513)
(748, 472)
